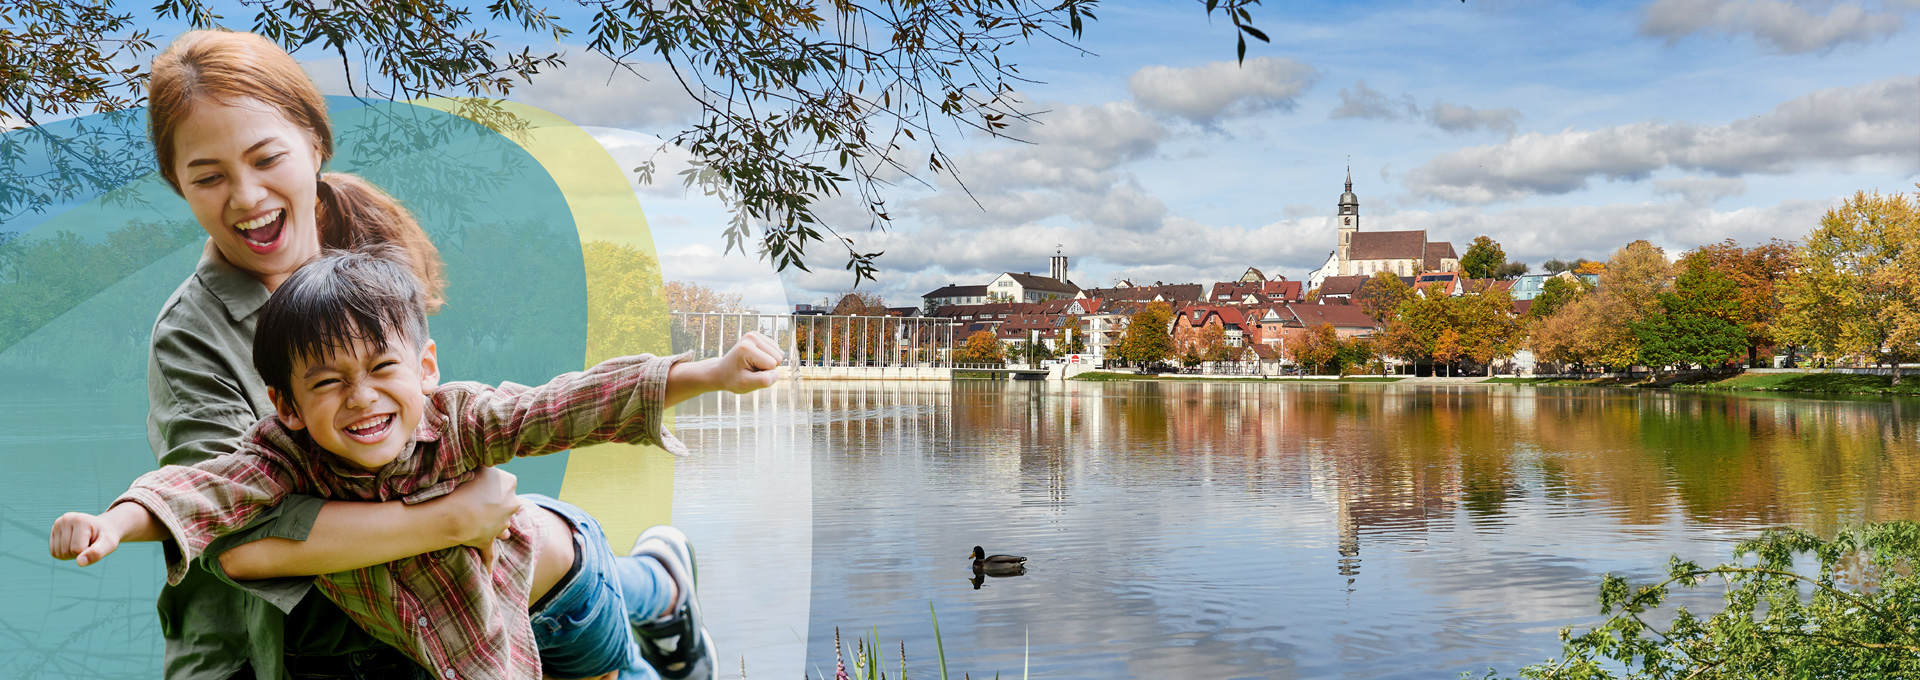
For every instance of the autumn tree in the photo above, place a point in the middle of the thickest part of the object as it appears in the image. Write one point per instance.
(1855, 288)
(625, 304)
(1556, 265)
(1483, 258)
(980, 348)
(1695, 323)
(1313, 348)
(1147, 340)
(1758, 274)
(1630, 285)
(688, 297)
(1478, 326)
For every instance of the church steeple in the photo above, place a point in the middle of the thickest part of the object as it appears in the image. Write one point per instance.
(1349, 215)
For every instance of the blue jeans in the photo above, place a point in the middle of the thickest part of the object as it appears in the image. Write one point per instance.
(584, 626)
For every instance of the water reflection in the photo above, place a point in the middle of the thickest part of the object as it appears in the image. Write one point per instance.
(1221, 530)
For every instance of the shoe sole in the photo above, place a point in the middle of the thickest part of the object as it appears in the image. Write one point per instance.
(677, 543)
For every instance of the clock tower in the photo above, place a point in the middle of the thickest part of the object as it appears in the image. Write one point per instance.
(1349, 217)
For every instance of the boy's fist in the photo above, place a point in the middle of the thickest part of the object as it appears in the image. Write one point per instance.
(751, 364)
(83, 536)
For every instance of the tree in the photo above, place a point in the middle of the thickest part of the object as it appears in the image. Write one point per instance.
(1076, 335)
(1629, 291)
(1853, 286)
(1555, 294)
(688, 297)
(1757, 274)
(1849, 617)
(1483, 258)
(980, 348)
(1314, 348)
(1556, 265)
(1510, 270)
(1147, 340)
(1696, 322)
(1590, 268)
(798, 102)
(1478, 326)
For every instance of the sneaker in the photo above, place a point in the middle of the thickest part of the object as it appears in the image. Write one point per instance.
(677, 646)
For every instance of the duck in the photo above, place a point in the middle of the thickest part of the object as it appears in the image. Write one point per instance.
(996, 564)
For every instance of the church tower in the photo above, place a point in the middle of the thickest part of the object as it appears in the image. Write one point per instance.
(1349, 216)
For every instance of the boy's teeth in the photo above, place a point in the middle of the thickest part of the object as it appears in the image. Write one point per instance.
(369, 424)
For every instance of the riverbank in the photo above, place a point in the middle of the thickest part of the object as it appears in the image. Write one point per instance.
(1807, 383)
(1108, 376)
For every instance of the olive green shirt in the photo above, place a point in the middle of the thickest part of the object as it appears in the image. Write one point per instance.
(202, 394)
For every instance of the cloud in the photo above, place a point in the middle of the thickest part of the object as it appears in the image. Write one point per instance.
(1784, 26)
(1702, 190)
(1875, 120)
(590, 90)
(1223, 89)
(1366, 102)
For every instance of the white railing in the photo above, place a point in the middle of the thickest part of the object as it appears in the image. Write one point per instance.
(822, 340)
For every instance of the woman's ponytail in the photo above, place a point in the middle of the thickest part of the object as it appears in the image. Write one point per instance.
(355, 213)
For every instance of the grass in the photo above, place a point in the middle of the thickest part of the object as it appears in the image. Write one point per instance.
(867, 663)
(1815, 383)
(1106, 376)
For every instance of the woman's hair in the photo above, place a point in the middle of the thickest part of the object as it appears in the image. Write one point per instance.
(226, 67)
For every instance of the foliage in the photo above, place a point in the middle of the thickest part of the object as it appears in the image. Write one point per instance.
(1759, 274)
(1316, 348)
(1381, 296)
(1556, 265)
(980, 348)
(1478, 326)
(1510, 270)
(1854, 285)
(623, 300)
(853, 303)
(799, 102)
(1696, 322)
(1483, 258)
(1817, 383)
(1589, 268)
(1629, 291)
(1555, 294)
(42, 278)
(1855, 617)
(1147, 339)
(1074, 329)
(689, 297)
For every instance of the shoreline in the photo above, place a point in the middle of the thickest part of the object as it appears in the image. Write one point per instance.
(1805, 382)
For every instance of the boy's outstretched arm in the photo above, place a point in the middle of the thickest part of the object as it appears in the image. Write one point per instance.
(92, 537)
(750, 365)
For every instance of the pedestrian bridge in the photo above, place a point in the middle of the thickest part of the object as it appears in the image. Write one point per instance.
(823, 347)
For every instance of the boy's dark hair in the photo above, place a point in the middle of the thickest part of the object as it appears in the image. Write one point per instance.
(367, 294)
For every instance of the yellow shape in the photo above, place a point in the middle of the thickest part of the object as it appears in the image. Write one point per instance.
(627, 487)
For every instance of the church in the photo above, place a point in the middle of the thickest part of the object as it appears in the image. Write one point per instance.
(1364, 253)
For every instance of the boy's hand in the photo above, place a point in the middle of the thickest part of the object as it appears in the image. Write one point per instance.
(753, 363)
(88, 537)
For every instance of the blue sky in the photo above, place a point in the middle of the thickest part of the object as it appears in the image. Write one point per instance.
(1559, 129)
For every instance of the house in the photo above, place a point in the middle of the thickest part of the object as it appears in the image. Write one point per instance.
(1192, 325)
(1169, 293)
(1009, 287)
(952, 294)
(1260, 292)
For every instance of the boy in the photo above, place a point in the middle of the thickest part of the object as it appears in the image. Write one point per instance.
(343, 348)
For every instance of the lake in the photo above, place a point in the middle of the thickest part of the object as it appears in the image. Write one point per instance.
(1239, 530)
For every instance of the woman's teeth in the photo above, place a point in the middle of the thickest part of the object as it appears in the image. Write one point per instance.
(258, 222)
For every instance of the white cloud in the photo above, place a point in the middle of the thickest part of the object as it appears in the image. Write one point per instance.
(591, 90)
(1704, 190)
(1369, 103)
(1784, 26)
(1223, 89)
(1875, 120)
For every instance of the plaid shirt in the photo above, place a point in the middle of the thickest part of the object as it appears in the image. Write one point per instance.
(446, 608)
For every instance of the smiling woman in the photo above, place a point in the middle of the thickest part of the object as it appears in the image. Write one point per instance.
(241, 134)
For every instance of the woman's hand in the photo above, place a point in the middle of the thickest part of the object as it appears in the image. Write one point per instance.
(478, 510)
(753, 363)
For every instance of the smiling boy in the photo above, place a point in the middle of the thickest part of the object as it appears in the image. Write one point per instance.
(343, 348)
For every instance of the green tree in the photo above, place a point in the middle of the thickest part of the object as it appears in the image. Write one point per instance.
(1483, 258)
(1555, 294)
(1758, 274)
(1147, 339)
(799, 101)
(1695, 322)
(1630, 285)
(1852, 617)
(1076, 335)
(1854, 283)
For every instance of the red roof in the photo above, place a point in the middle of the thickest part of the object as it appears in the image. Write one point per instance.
(1341, 316)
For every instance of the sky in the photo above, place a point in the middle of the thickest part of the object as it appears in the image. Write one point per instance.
(1561, 130)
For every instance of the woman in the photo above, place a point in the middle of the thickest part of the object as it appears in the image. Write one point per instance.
(241, 134)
